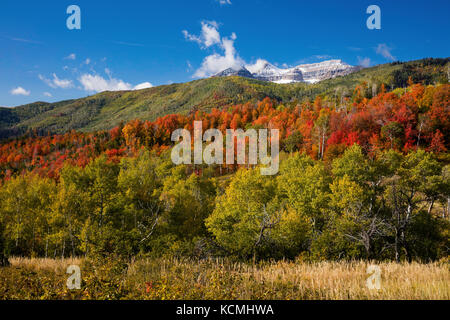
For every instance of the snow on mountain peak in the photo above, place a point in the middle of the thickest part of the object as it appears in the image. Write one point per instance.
(311, 73)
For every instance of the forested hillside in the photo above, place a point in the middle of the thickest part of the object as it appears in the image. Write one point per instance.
(106, 110)
(363, 176)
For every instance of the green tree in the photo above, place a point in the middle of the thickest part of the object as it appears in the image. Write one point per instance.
(70, 212)
(393, 132)
(321, 127)
(304, 184)
(414, 186)
(25, 209)
(293, 142)
(4, 262)
(355, 198)
(139, 187)
(188, 202)
(246, 214)
(101, 232)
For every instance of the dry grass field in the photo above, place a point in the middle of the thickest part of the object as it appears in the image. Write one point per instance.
(170, 279)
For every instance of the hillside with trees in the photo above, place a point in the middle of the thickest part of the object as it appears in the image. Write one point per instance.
(364, 179)
(106, 110)
(361, 177)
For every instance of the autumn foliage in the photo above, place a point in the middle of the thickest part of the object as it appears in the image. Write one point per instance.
(404, 120)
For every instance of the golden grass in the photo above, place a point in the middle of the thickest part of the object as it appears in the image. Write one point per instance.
(348, 280)
(39, 264)
(224, 279)
(290, 280)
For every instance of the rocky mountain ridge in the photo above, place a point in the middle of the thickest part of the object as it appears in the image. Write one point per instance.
(312, 73)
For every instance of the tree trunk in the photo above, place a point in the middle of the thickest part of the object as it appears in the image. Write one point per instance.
(397, 255)
(63, 248)
(368, 247)
(3, 259)
(46, 242)
(420, 133)
(448, 208)
(408, 252)
(430, 207)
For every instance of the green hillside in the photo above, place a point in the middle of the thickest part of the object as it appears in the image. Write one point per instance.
(107, 109)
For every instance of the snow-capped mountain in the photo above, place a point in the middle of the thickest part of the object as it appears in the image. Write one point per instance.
(325, 70)
(242, 72)
(263, 70)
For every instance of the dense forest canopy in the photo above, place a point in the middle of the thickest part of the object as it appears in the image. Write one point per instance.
(364, 174)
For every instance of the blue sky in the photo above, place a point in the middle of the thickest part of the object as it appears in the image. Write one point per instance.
(136, 43)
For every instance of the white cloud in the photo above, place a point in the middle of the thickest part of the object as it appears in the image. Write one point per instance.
(96, 83)
(20, 91)
(61, 83)
(224, 2)
(189, 66)
(56, 82)
(216, 62)
(385, 51)
(209, 35)
(257, 66)
(71, 56)
(48, 94)
(225, 54)
(191, 37)
(143, 85)
(26, 40)
(322, 56)
(364, 62)
(87, 61)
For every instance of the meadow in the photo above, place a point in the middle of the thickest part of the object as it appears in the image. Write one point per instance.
(211, 279)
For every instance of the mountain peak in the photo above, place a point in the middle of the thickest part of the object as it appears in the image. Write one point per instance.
(313, 72)
(242, 72)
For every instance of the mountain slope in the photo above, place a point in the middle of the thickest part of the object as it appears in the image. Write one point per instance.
(107, 109)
